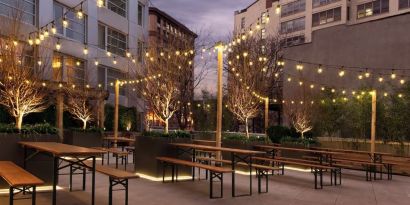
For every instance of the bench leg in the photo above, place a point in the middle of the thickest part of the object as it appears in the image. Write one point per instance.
(213, 176)
(71, 178)
(84, 178)
(126, 192)
(116, 161)
(260, 175)
(110, 192)
(11, 195)
(33, 196)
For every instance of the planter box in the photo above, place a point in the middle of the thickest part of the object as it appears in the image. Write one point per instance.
(148, 148)
(41, 165)
(83, 139)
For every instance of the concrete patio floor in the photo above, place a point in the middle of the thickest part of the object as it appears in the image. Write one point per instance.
(294, 188)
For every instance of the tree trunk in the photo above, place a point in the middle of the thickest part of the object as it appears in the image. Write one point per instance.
(19, 121)
(166, 126)
(246, 128)
(303, 137)
(84, 124)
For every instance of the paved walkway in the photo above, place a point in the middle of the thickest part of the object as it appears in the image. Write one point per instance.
(294, 188)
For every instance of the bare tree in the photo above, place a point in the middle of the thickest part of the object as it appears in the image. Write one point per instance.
(301, 122)
(242, 103)
(253, 73)
(79, 106)
(21, 89)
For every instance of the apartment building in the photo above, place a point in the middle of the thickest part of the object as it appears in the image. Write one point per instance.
(297, 19)
(358, 36)
(103, 43)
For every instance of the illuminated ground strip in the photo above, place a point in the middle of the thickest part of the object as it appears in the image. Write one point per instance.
(38, 189)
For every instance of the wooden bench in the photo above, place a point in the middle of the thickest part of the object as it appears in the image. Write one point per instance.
(317, 169)
(262, 170)
(131, 150)
(116, 177)
(19, 179)
(369, 167)
(123, 155)
(215, 172)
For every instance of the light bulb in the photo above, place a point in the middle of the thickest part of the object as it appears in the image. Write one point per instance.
(277, 10)
(37, 41)
(319, 70)
(41, 36)
(299, 67)
(53, 29)
(402, 81)
(85, 51)
(65, 22)
(380, 79)
(360, 76)
(80, 14)
(341, 73)
(30, 41)
(58, 46)
(96, 62)
(108, 53)
(393, 75)
(46, 33)
(100, 3)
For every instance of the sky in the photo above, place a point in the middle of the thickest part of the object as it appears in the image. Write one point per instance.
(212, 16)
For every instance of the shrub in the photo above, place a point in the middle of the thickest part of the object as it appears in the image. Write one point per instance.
(307, 142)
(276, 133)
(44, 128)
(242, 137)
(174, 135)
(89, 130)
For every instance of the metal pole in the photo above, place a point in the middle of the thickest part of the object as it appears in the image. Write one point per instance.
(116, 108)
(218, 137)
(266, 118)
(373, 123)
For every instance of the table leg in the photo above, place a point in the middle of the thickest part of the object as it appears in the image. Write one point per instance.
(250, 174)
(55, 180)
(233, 173)
(93, 183)
(25, 157)
(193, 160)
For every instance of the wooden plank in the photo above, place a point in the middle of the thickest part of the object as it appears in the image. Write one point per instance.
(213, 148)
(194, 164)
(119, 139)
(270, 147)
(314, 165)
(112, 172)
(59, 149)
(16, 176)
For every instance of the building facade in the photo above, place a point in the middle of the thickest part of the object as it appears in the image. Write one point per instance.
(364, 39)
(297, 20)
(103, 43)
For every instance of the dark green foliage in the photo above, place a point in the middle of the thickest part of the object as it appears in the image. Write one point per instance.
(276, 133)
(242, 137)
(299, 141)
(174, 135)
(127, 116)
(29, 129)
(88, 130)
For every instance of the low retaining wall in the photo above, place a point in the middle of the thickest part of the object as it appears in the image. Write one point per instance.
(41, 165)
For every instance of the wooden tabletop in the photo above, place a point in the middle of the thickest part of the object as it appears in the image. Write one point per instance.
(59, 149)
(271, 147)
(119, 139)
(352, 151)
(17, 176)
(213, 148)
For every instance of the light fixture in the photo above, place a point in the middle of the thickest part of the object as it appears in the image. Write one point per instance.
(299, 67)
(80, 14)
(393, 75)
(37, 41)
(58, 45)
(65, 22)
(46, 33)
(30, 41)
(108, 53)
(96, 62)
(114, 61)
(402, 81)
(53, 29)
(85, 51)
(100, 3)
(277, 9)
(342, 72)
(380, 79)
(360, 76)
(367, 74)
(320, 69)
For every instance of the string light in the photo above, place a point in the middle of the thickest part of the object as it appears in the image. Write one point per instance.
(85, 51)
(53, 29)
(402, 81)
(96, 62)
(342, 72)
(46, 33)
(80, 14)
(100, 3)
(65, 22)
(299, 67)
(108, 54)
(30, 41)
(278, 9)
(58, 45)
(114, 61)
(393, 75)
(380, 79)
(320, 69)
(367, 74)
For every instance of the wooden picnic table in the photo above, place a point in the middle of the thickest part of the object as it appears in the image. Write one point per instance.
(237, 155)
(78, 156)
(375, 156)
(322, 154)
(118, 139)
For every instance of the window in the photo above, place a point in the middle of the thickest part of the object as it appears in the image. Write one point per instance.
(372, 8)
(325, 17)
(24, 8)
(292, 41)
(118, 6)
(141, 8)
(140, 50)
(404, 4)
(317, 3)
(112, 40)
(243, 22)
(76, 27)
(107, 75)
(293, 8)
(73, 67)
(292, 25)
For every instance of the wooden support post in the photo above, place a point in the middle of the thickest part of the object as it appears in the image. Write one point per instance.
(60, 115)
(266, 118)
(101, 112)
(116, 110)
(218, 137)
(373, 123)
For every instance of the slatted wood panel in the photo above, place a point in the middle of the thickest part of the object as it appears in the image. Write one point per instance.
(59, 149)
(16, 176)
(194, 164)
